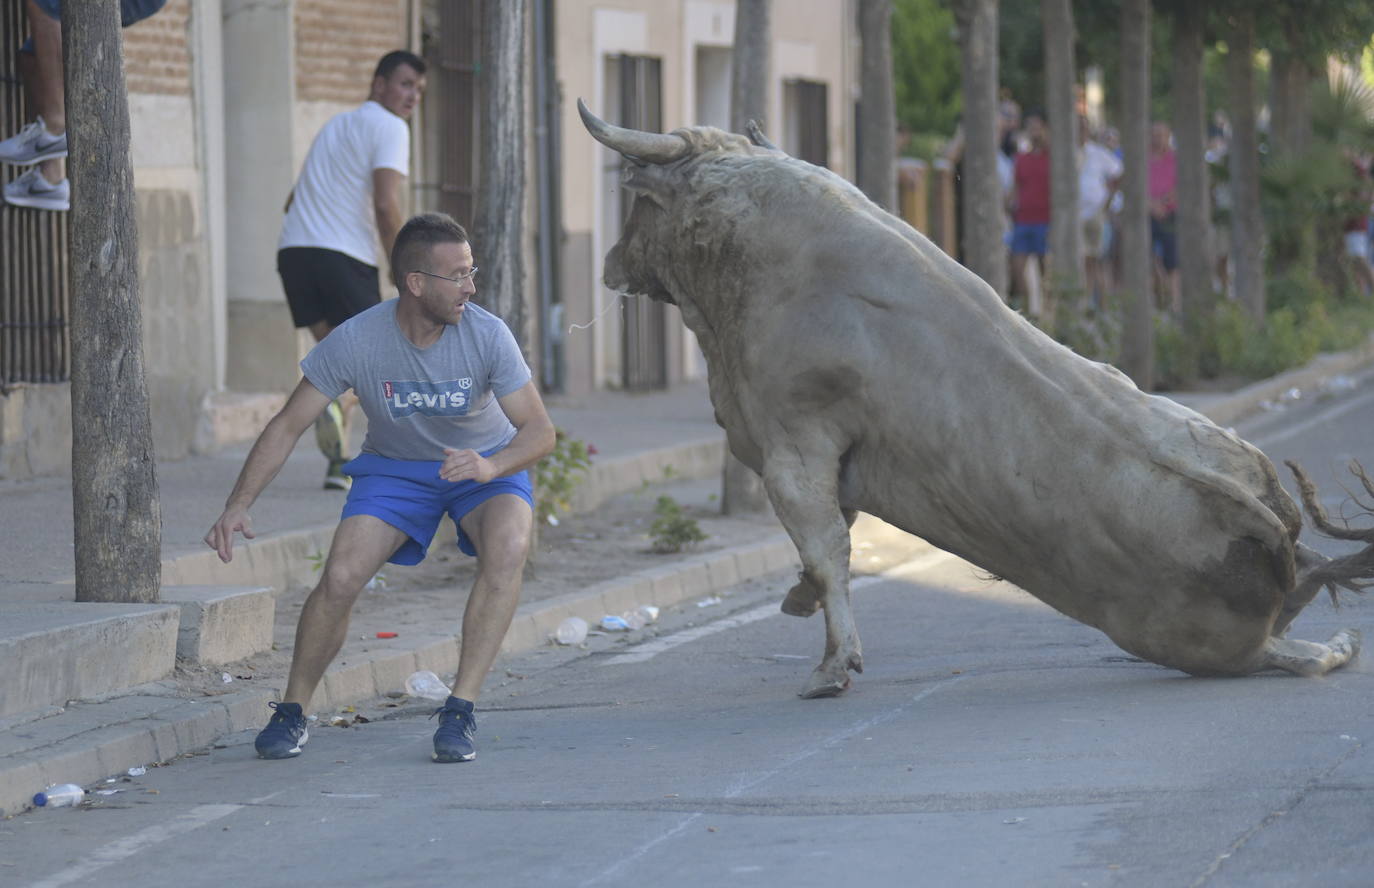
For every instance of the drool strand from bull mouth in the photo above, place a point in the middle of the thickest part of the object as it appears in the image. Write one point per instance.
(619, 299)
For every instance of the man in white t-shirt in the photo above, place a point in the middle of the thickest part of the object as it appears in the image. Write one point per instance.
(1099, 172)
(345, 201)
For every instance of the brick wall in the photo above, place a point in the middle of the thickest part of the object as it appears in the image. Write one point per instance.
(338, 43)
(157, 58)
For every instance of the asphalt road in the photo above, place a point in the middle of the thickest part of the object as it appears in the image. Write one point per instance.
(991, 742)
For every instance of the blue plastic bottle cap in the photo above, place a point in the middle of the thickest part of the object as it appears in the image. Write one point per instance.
(40, 799)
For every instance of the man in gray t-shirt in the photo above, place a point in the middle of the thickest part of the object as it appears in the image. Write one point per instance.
(454, 422)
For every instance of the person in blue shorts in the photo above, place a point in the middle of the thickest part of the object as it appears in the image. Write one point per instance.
(453, 423)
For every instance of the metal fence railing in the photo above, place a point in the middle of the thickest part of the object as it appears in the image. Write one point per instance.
(34, 299)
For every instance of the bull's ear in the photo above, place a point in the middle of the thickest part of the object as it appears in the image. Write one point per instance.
(651, 180)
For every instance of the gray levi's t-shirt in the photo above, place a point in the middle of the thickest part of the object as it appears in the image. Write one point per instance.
(420, 400)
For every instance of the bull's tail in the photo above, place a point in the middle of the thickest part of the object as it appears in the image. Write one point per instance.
(1354, 572)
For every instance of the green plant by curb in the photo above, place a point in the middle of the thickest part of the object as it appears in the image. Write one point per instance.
(673, 531)
(557, 476)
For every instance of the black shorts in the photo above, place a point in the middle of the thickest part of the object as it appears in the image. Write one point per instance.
(325, 285)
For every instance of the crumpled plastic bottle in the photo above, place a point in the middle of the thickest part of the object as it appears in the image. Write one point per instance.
(640, 616)
(428, 685)
(612, 623)
(59, 795)
(573, 630)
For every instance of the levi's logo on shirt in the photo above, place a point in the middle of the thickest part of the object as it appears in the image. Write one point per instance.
(448, 398)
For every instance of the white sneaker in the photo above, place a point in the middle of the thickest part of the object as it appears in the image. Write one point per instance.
(32, 144)
(32, 190)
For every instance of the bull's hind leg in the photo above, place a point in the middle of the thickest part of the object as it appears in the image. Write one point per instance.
(1308, 657)
(804, 599)
(802, 478)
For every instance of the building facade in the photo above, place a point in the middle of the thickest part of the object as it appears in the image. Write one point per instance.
(225, 97)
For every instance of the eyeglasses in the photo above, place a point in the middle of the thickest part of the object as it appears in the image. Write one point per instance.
(458, 280)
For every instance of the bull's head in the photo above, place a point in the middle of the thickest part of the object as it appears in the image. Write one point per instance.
(661, 169)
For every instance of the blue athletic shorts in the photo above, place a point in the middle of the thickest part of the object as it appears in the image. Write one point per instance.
(411, 497)
(1028, 238)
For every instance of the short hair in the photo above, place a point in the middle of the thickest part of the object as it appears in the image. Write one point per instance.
(417, 237)
(395, 59)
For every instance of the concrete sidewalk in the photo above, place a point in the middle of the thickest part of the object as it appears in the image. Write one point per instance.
(91, 694)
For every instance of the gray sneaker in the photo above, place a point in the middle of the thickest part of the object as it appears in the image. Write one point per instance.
(32, 144)
(32, 190)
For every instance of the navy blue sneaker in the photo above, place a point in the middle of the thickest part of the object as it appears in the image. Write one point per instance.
(453, 740)
(285, 734)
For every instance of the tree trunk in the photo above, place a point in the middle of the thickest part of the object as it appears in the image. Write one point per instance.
(118, 520)
(1066, 232)
(1190, 130)
(1290, 103)
(984, 252)
(1247, 224)
(749, 71)
(499, 239)
(1137, 342)
(878, 105)
(1290, 137)
(741, 488)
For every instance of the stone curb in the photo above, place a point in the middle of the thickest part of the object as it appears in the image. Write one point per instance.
(187, 725)
(1242, 403)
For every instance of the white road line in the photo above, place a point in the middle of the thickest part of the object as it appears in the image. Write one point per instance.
(651, 649)
(130, 845)
(1287, 432)
(748, 783)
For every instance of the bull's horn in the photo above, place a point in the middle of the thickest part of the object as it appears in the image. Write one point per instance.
(757, 137)
(653, 147)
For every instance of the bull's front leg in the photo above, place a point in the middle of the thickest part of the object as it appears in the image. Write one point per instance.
(802, 479)
(804, 599)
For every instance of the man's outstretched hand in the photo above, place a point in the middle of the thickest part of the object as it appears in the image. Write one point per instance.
(221, 536)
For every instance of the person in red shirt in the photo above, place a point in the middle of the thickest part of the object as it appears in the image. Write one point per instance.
(1029, 205)
(1163, 205)
(1357, 244)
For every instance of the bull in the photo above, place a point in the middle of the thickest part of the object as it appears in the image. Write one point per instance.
(857, 367)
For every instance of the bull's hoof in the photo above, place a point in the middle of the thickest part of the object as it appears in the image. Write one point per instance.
(800, 601)
(824, 684)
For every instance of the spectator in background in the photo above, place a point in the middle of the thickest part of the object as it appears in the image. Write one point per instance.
(1099, 174)
(1163, 205)
(1357, 227)
(346, 198)
(43, 143)
(1029, 204)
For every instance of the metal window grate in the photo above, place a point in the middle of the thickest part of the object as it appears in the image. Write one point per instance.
(807, 99)
(34, 302)
(644, 333)
(454, 54)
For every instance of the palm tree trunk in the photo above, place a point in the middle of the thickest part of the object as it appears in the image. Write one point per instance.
(118, 520)
(1247, 224)
(877, 108)
(1066, 233)
(984, 252)
(1190, 130)
(500, 234)
(749, 71)
(741, 489)
(1137, 345)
